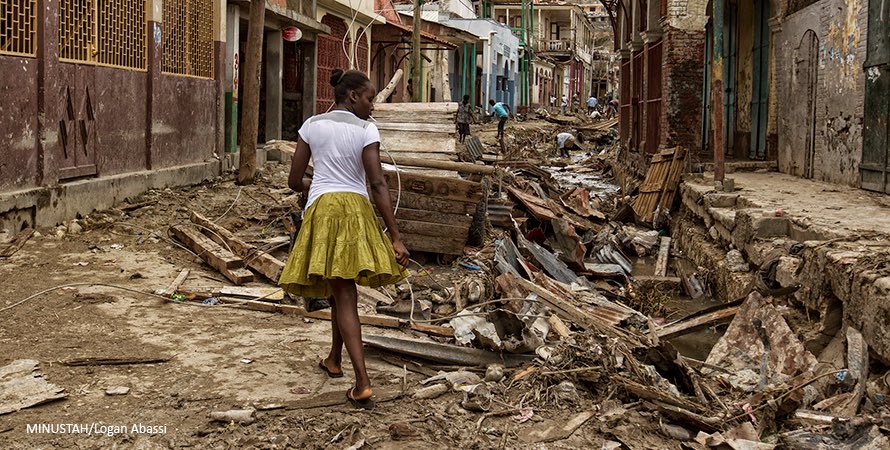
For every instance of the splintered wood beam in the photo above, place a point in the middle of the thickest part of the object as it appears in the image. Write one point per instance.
(661, 262)
(231, 266)
(170, 290)
(264, 263)
(688, 325)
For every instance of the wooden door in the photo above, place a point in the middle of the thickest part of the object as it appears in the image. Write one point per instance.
(875, 166)
(77, 122)
(760, 80)
(802, 111)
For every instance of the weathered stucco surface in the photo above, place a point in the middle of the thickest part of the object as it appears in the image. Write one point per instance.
(841, 30)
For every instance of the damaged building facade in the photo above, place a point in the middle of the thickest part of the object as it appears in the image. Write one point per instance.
(109, 100)
(661, 49)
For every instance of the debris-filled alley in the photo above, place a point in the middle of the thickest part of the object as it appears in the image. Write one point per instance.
(543, 309)
(455, 224)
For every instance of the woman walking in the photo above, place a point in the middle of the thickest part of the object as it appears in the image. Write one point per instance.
(340, 242)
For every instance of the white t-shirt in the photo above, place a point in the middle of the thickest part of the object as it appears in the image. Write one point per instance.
(336, 140)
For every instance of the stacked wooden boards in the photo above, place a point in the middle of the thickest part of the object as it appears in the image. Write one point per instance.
(660, 185)
(434, 213)
(418, 130)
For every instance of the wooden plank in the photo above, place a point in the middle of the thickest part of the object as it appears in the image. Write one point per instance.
(16, 243)
(439, 187)
(435, 230)
(264, 263)
(458, 220)
(238, 276)
(90, 361)
(411, 107)
(661, 262)
(444, 165)
(211, 252)
(424, 202)
(387, 90)
(170, 290)
(400, 155)
(443, 245)
(440, 128)
(688, 325)
(269, 294)
(446, 353)
(371, 320)
(417, 142)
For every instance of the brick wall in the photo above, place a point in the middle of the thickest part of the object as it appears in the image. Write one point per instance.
(682, 78)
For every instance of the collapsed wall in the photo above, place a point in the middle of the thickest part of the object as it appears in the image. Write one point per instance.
(843, 272)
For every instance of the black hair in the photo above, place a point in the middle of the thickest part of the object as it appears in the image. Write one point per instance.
(345, 81)
(491, 101)
(467, 98)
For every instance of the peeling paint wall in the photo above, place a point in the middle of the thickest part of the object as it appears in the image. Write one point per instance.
(18, 122)
(689, 15)
(841, 30)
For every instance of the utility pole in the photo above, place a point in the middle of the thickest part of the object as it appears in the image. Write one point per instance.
(415, 54)
(250, 114)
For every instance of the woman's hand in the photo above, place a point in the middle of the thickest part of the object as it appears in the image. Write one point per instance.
(402, 255)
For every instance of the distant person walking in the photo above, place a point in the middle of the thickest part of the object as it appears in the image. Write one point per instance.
(501, 111)
(591, 104)
(463, 118)
(565, 104)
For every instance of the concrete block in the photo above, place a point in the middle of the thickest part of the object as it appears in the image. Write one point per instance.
(786, 271)
(767, 227)
(725, 217)
(720, 200)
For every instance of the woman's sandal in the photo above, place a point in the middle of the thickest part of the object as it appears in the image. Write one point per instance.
(331, 373)
(359, 404)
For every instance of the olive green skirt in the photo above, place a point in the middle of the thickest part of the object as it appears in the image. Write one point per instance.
(340, 238)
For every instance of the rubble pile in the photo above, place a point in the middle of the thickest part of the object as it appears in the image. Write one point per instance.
(556, 315)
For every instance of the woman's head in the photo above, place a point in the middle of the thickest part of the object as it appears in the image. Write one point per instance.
(353, 90)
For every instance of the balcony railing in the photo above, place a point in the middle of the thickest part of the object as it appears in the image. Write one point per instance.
(558, 45)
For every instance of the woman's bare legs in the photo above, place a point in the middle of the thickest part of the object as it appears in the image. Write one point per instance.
(346, 314)
(334, 361)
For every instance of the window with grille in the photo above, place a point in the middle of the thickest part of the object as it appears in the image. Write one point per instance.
(188, 38)
(108, 33)
(103, 32)
(18, 27)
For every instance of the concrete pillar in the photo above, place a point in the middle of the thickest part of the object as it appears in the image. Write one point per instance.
(274, 61)
(230, 77)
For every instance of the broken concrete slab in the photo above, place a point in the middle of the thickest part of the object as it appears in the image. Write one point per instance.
(760, 340)
(22, 385)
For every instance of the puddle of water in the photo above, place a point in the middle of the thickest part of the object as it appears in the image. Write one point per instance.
(569, 177)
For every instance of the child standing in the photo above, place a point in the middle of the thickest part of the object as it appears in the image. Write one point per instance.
(340, 242)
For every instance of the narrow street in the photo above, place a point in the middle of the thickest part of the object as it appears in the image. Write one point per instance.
(455, 224)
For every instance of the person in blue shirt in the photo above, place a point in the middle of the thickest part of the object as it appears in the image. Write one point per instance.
(591, 104)
(501, 111)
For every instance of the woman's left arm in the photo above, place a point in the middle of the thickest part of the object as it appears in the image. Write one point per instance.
(380, 193)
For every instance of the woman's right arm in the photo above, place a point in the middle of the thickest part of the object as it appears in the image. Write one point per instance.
(298, 165)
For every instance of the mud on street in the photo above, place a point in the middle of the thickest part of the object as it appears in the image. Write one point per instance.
(560, 328)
